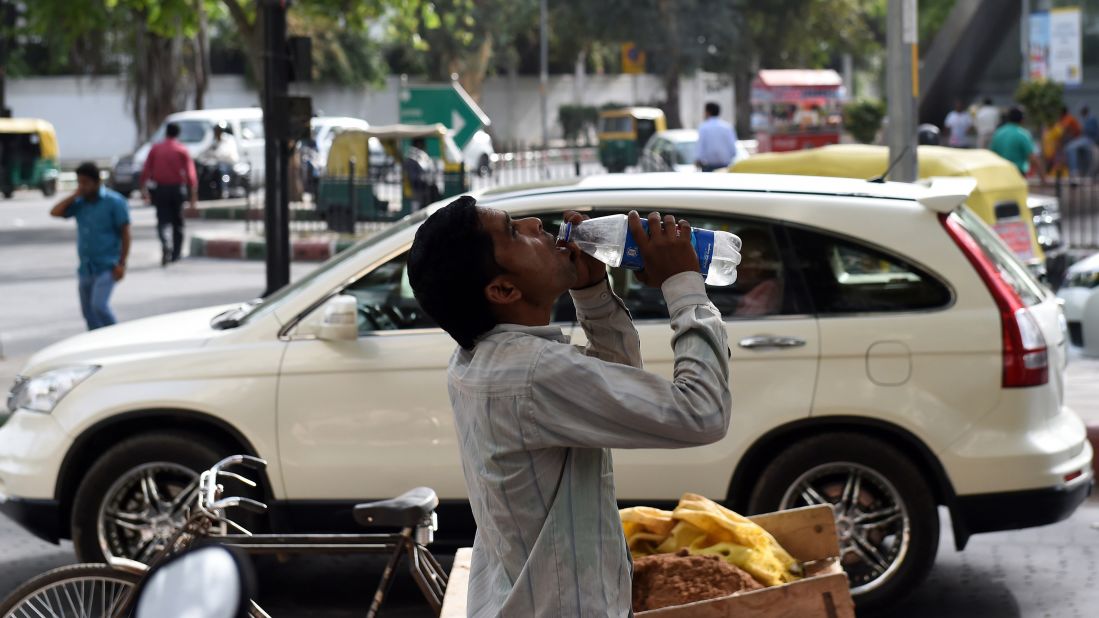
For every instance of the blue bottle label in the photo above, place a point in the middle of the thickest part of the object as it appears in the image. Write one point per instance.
(701, 240)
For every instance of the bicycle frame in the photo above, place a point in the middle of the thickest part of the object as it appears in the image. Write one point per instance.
(209, 512)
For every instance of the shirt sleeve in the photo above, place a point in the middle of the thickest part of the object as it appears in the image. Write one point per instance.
(607, 325)
(147, 169)
(192, 178)
(121, 213)
(73, 208)
(582, 401)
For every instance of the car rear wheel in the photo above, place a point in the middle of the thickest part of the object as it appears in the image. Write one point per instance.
(137, 493)
(886, 517)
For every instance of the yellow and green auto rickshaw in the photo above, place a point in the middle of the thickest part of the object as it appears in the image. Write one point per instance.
(28, 156)
(1000, 197)
(369, 171)
(623, 132)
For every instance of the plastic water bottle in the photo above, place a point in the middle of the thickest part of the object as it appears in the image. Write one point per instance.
(608, 239)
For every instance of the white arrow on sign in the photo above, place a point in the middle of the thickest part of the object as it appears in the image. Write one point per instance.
(456, 122)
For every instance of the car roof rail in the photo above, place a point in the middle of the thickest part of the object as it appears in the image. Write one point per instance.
(945, 193)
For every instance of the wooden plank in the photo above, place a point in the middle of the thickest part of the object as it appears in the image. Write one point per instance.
(454, 603)
(808, 533)
(826, 596)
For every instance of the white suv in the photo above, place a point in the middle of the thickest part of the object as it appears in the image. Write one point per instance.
(890, 354)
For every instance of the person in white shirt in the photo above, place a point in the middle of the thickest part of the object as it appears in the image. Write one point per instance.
(958, 124)
(988, 120)
(224, 148)
(716, 141)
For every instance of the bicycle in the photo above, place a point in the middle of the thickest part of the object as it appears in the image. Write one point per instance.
(108, 590)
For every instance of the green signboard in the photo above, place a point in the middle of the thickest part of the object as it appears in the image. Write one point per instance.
(448, 104)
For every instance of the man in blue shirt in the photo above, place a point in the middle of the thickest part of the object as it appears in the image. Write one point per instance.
(103, 242)
(716, 141)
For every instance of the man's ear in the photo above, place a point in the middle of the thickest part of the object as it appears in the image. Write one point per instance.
(500, 291)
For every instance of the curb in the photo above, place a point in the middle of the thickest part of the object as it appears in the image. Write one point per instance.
(303, 250)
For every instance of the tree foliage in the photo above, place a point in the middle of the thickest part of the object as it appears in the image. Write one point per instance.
(863, 119)
(1041, 100)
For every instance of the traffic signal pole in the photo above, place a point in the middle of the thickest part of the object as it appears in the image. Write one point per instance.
(902, 88)
(276, 188)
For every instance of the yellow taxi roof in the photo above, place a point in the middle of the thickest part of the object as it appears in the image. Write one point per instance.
(637, 112)
(33, 126)
(992, 172)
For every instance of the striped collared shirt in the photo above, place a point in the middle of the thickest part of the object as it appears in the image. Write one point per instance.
(536, 418)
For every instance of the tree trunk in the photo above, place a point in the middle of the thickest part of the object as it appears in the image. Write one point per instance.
(201, 58)
(742, 85)
(669, 17)
(251, 33)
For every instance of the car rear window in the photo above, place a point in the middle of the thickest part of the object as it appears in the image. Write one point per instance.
(847, 277)
(1013, 271)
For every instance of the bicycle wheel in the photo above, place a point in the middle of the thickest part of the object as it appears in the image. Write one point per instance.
(76, 591)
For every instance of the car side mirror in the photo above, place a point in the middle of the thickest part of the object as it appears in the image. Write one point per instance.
(210, 581)
(340, 320)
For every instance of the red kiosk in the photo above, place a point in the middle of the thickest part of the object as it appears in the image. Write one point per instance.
(795, 109)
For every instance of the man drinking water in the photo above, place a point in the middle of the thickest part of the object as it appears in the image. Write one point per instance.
(536, 416)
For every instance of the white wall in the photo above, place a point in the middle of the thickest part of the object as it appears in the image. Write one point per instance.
(93, 119)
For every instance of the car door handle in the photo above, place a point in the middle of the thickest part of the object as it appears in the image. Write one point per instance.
(763, 342)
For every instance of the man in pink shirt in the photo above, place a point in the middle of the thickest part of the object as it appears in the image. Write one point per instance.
(172, 172)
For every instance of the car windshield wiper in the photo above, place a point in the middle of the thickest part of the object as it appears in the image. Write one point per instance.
(232, 318)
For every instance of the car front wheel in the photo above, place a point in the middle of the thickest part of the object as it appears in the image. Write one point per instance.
(137, 493)
(886, 517)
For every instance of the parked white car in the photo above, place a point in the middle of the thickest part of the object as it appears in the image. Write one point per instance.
(890, 355)
(676, 150)
(197, 134)
(1080, 295)
(479, 156)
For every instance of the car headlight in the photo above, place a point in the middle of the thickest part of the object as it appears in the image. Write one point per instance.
(42, 393)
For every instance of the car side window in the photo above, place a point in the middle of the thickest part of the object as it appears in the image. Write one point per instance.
(847, 277)
(385, 300)
(762, 288)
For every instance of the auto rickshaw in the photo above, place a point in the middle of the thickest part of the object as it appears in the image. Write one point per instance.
(369, 170)
(28, 156)
(1000, 197)
(623, 132)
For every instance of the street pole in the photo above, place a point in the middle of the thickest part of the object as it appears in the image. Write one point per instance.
(7, 15)
(543, 73)
(276, 188)
(902, 88)
(1024, 39)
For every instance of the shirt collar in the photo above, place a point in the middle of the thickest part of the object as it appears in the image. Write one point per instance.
(553, 333)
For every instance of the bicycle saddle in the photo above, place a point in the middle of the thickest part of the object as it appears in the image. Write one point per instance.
(405, 511)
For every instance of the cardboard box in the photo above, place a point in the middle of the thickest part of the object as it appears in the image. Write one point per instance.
(809, 534)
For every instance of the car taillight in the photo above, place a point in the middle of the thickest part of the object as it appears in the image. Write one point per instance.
(1026, 360)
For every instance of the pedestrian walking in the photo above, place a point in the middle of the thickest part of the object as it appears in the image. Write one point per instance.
(536, 417)
(102, 242)
(986, 122)
(958, 126)
(1080, 149)
(172, 173)
(1013, 142)
(716, 141)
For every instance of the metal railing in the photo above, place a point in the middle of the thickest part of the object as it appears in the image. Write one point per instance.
(1079, 208)
(536, 166)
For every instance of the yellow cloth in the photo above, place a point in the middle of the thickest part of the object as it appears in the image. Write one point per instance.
(704, 527)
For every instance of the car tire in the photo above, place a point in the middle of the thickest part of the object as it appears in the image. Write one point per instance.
(484, 166)
(165, 458)
(877, 474)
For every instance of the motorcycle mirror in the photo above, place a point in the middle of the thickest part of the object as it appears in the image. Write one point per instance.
(204, 582)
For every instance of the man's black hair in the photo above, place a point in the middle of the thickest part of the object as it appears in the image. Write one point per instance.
(1085, 110)
(88, 170)
(172, 130)
(988, 101)
(713, 109)
(1015, 115)
(1064, 110)
(451, 261)
(419, 142)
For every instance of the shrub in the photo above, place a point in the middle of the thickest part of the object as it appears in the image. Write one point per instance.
(863, 119)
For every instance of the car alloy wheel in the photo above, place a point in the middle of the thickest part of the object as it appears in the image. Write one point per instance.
(143, 509)
(872, 521)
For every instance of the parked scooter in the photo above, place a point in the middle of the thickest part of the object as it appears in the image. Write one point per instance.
(218, 180)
